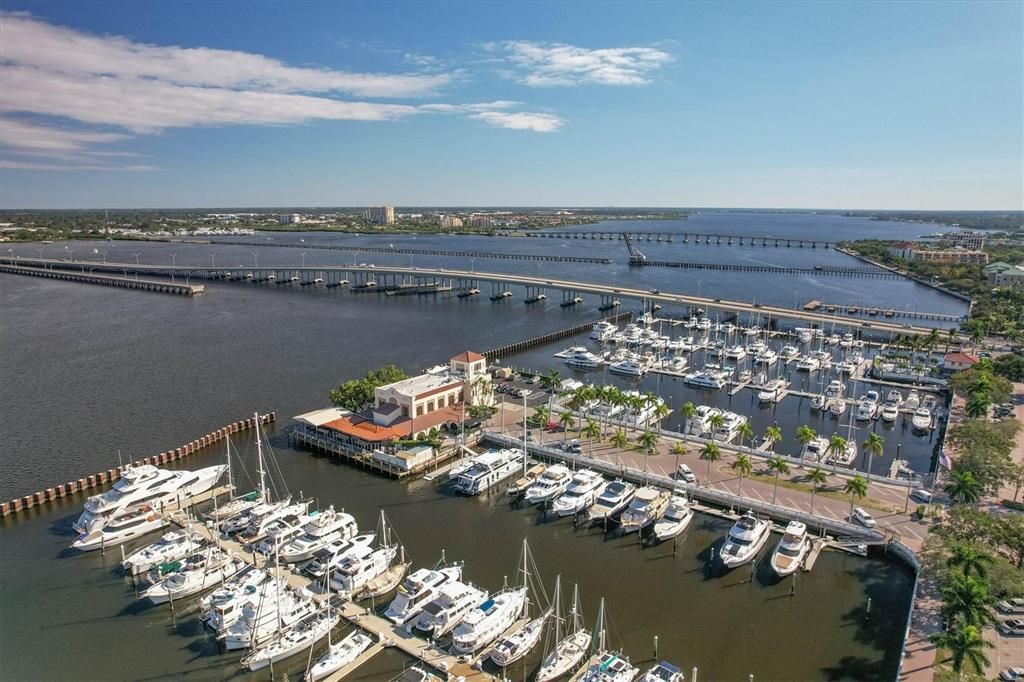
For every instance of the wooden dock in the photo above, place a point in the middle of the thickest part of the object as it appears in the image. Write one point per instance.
(817, 545)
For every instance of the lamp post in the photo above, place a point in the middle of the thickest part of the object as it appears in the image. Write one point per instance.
(255, 260)
(137, 258)
(303, 254)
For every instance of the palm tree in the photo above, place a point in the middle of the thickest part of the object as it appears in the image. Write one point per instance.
(965, 645)
(777, 465)
(857, 489)
(966, 601)
(932, 340)
(804, 435)
(551, 380)
(661, 410)
(969, 559)
(619, 439)
(743, 467)
(745, 431)
(712, 453)
(963, 487)
(593, 432)
(774, 436)
(836, 446)
(566, 421)
(874, 445)
(636, 403)
(678, 449)
(650, 401)
(687, 410)
(541, 414)
(977, 405)
(717, 421)
(816, 477)
(647, 440)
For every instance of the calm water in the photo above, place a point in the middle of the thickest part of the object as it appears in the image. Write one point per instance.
(89, 370)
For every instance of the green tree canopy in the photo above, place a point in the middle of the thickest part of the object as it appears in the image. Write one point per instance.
(355, 394)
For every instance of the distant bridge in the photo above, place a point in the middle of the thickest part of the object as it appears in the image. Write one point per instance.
(685, 238)
(875, 273)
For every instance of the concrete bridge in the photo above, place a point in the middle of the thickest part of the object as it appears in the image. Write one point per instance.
(685, 238)
(373, 277)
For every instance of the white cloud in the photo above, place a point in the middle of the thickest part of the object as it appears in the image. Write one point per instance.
(12, 164)
(27, 136)
(538, 123)
(545, 64)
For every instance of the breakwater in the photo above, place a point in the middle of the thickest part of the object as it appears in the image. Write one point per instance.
(518, 346)
(772, 269)
(102, 478)
(108, 280)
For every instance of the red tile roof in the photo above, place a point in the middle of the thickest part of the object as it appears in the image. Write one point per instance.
(468, 356)
(363, 428)
(962, 358)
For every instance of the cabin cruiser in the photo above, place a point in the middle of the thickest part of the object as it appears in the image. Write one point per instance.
(713, 379)
(814, 450)
(453, 601)
(835, 389)
(894, 397)
(488, 470)
(704, 324)
(569, 351)
(846, 457)
(146, 485)
(890, 411)
(922, 420)
(913, 400)
(222, 607)
(792, 549)
(199, 572)
(301, 637)
(339, 655)
(745, 540)
(753, 330)
(647, 506)
(809, 363)
(325, 557)
(281, 532)
(515, 646)
(837, 407)
(603, 330)
(630, 368)
(677, 517)
(726, 433)
(521, 484)
(736, 353)
(789, 353)
(550, 485)
(663, 672)
(846, 341)
(868, 406)
(757, 347)
(485, 623)
(123, 527)
(804, 335)
(583, 359)
(581, 493)
(172, 545)
(256, 520)
(766, 357)
(322, 530)
(700, 422)
(610, 667)
(773, 391)
(354, 570)
(847, 367)
(674, 364)
(417, 590)
(614, 498)
(279, 606)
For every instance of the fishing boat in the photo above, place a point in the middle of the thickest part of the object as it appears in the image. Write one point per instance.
(322, 530)
(792, 549)
(300, 637)
(570, 643)
(199, 572)
(677, 517)
(647, 506)
(581, 493)
(417, 590)
(339, 655)
(613, 499)
(122, 527)
(744, 540)
(172, 545)
(488, 470)
(453, 601)
(550, 485)
(663, 672)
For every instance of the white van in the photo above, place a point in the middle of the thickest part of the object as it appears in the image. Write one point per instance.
(863, 518)
(686, 474)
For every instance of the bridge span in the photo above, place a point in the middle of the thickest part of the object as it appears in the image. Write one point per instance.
(684, 237)
(365, 277)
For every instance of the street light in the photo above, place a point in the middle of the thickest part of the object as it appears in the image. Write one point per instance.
(255, 260)
(173, 263)
(303, 254)
(213, 260)
(137, 259)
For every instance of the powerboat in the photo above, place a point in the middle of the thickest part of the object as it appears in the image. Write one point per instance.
(322, 530)
(792, 549)
(867, 408)
(253, 525)
(663, 672)
(453, 601)
(630, 368)
(710, 379)
(846, 457)
(417, 590)
(647, 506)
(814, 450)
(614, 498)
(222, 607)
(846, 367)
(302, 636)
(890, 411)
(677, 517)
(736, 353)
(280, 533)
(789, 353)
(339, 655)
(766, 357)
(583, 359)
(809, 363)
(146, 485)
(172, 545)
(356, 569)
(513, 647)
(757, 347)
(846, 341)
(199, 572)
(730, 427)
(121, 528)
(753, 330)
(894, 397)
(835, 389)
(837, 407)
(325, 557)
(485, 623)
(700, 422)
(913, 400)
(610, 667)
(581, 493)
(521, 484)
(804, 335)
(773, 391)
(820, 402)
(550, 485)
(704, 324)
(603, 330)
(488, 470)
(278, 607)
(922, 420)
(744, 540)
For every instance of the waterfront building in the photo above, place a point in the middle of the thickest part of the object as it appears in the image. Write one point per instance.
(449, 221)
(481, 221)
(965, 239)
(289, 219)
(918, 252)
(1001, 274)
(380, 215)
(957, 362)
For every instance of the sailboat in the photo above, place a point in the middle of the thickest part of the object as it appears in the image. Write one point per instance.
(487, 622)
(568, 649)
(304, 635)
(391, 578)
(339, 655)
(610, 666)
(518, 644)
(237, 505)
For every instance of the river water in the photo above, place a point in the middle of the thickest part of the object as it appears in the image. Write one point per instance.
(88, 371)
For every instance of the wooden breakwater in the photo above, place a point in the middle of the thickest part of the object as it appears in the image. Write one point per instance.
(518, 346)
(181, 289)
(102, 478)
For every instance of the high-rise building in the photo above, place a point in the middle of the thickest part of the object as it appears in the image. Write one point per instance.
(289, 219)
(481, 221)
(449, 221)
(380, 215)
(966, 239)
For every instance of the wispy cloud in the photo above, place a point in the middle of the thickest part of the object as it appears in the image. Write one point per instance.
(538, 123)
(547, 64)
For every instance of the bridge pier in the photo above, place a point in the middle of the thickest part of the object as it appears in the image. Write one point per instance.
(608, 302)
(500, 291)
(534, 294)
(570, 298)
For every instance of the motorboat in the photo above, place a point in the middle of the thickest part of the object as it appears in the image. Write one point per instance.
(700, 422)
(691, 323)
(773, 391)
(146, 485)
(520, 485)
(804, 335)
(809, 363)
(820, 402)
(583, 360)
(837, 407)
(792, 549)
(835, 389)
(488, 470)
(569, 351)
(511, 648)
(614, 498)
(847, 367)
(766, 357)
(280, 533)
(453, 601)
(675, 364)
(833, 339)
(867, 408)
(814, 450)
(846, 341)
(353, 571)
(846, 457)
(125, 526)
(789, 353)
(416, 674)
(894, 397)
(222, 607)
(753, 330)
(736, 353)
(299, 638)
(704, 324)
(757, 347)
(603, 330)
(922, 420)
(663, 672)
(677, 517)
(319, 532)
(913, 400)
(648, 505)
(707, 379)
(417, 590)
(172, 545)
(262, 517)
(744, 540)
(610, 667)
(730, 427)
(890, 411)
(199, 572)
(550, 485)
(339, 655)
(485, 623)
(325, 557)
(581, 493)
(278, 607)
(630, 368)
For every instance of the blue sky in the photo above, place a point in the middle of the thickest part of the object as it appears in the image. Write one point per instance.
(908, 105)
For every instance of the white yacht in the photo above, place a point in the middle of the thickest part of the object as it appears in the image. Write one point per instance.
(867, 408)
(583, 359)
(890, 412)
(603, 330)
(325, 557)
(789, 353)
(172, 545)
(515, 646)
(280, 533)
(711, 379)
(704, 324)
(745, 539)
(485, 623)
(757, 347)
(222, 607)
(581, 493)
(766, 357)
(146, 485)
(611, 667)
(453, 601)
(199, 572)
(355, 569)
(837, 407)
(835, 389)
(677, 517)
(663, 672)
(730, 427)
(753, 330)
(417, 590)
(913, 400)
(814, 450)
(297, 639)
(550, 485)
(772, 391)
(322, 530)
(894, 397)
(614, 498)
(568, 650)
(630, 368)
(125, 526)
(809, 363)
(846, 457)
(488, 470)
(804, 335)
(736, 353)
(922, 420)
(846, 367)
(262, 519)
(339, 655)
(846, 341)
(647, 506)
(278, 607)
(700, 422)
(792, 549)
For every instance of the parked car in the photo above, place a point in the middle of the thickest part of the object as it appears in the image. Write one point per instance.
(684, 472)
(863, 518)
(1015, 674)
(523, 393)
(535, 379)
(1013, 627)
(921, 495)
(1011, 606)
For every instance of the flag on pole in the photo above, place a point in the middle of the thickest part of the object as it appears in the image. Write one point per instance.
(944, 460)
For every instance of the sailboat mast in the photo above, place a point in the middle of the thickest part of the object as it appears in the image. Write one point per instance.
(600, 627)
(558, 608)
(231, 480)
(259, 462)
(525, 431)
(577, 618)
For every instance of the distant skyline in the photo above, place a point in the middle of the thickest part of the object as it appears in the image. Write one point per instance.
(829, 106)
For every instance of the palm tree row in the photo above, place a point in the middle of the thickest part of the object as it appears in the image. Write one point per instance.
(966, 608)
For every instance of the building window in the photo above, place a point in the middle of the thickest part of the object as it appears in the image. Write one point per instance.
(430, 406)
(451, 400)
(419, 410)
